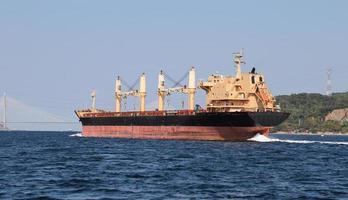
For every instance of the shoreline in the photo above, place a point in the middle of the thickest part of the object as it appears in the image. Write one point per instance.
(294, 133)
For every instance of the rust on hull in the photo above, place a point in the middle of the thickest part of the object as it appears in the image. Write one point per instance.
(175, 132)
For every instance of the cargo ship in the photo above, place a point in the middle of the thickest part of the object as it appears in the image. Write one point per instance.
(237, 108)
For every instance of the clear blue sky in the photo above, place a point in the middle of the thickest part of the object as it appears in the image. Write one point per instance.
(52, 53)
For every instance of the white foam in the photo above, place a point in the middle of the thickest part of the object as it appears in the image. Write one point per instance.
(76, 135)
(262, 138)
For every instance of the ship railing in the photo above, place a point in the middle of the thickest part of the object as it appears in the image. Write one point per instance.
(145, 113)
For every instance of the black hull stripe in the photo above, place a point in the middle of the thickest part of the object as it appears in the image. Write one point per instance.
(235, 119)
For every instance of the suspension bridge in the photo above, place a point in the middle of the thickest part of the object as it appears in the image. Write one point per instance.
(26, 117)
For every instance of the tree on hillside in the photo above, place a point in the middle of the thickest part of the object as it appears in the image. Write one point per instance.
(308, 111)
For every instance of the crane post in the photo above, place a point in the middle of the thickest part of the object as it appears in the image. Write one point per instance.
(192, 88)
(142, 92)
(160, 91)
(93, 95)
(118, 94)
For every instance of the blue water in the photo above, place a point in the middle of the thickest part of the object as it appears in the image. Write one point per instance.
(36, 165)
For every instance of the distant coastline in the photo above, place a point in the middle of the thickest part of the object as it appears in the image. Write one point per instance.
(314, 113)
(302, 133)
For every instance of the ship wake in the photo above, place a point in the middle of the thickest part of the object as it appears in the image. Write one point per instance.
(262, 138)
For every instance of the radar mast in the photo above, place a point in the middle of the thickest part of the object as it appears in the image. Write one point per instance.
(238, 60)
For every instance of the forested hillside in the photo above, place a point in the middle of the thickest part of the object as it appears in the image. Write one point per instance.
(308, 111)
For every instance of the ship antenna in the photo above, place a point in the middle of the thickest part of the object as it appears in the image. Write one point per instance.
(238, 60)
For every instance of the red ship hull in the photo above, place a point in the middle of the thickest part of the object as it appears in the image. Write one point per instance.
(175, 132)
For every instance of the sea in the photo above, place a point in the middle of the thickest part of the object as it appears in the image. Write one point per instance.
(64, 165)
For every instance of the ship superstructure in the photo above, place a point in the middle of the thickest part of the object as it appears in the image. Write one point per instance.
(245, 92)
(237, 108)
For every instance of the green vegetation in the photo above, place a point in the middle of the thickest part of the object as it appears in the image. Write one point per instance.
(308, 111)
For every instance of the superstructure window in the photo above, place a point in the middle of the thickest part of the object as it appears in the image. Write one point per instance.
(253, 79)
(260, 79)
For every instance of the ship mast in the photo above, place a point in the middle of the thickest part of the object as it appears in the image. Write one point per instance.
(238, 60)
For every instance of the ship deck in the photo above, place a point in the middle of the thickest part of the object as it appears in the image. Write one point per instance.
(88, 113)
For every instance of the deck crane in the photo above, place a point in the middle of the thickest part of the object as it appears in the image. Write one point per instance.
(162, 92)
(141, 93)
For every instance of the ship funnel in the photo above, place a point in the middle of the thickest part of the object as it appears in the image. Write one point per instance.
(118, 94)
(160, 91)
(142, 92)
(192, 88)
(93, 95)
